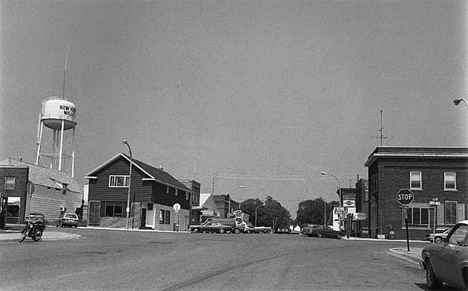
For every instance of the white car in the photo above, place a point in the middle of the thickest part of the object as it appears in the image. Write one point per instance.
(438, 237)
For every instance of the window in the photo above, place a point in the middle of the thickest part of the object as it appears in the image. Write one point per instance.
(164, 216)
(458, 235)
(10, 183)
(450, 181)
(118, 181)
(416, 180)
(450, 212)
(167, 189)
(176, 193)
(150, 206)
(112, 208)
(417, 217)
(187, 196)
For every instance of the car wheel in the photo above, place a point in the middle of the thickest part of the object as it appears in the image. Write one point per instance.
(222, 231)
(237, 231)
(338, 236)
(431, 279)
(195, 230)
(438, 239)
(319, 235)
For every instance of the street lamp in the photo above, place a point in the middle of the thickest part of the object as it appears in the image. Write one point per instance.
(256, 208)
(457, 101)
(229, 208)
(129, 181)
(324, 210)
(339, 194)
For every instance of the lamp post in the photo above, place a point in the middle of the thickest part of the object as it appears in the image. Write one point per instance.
(229, 207)
(339, 194)
(129, 181)
(324, 210)
(457, 101)
(256, 208)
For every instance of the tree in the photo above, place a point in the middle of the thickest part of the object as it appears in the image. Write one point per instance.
(312, 211)
(271, 214)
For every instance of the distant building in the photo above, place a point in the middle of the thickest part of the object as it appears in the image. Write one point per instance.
(362, 208)
(153, 195)
(223, 202)
(431, 174)
(28, 188)
(195, 207)
(209, 208)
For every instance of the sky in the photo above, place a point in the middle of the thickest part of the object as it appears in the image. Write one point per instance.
(264, 94)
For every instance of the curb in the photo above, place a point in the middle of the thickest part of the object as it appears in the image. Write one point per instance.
(412, 257)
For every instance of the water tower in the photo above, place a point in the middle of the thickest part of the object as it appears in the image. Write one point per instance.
(56, 135)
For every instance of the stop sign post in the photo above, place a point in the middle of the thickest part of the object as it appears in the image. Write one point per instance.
(405, 197)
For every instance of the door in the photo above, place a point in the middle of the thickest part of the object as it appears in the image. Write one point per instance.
(143, 218)
(94, 212)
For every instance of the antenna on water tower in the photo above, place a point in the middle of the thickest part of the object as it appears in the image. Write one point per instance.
(55, 141)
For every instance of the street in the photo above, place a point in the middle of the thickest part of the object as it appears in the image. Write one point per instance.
(125, 260)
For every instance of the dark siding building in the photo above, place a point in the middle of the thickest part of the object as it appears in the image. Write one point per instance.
(431, 174)
(153, 195)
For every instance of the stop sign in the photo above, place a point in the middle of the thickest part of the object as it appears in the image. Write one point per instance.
(405, 196)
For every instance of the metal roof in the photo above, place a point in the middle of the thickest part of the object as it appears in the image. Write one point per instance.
(46, 177)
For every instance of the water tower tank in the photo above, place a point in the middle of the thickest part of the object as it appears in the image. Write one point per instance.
(56, 110)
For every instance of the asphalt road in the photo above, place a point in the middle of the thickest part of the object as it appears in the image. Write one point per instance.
(121, 260)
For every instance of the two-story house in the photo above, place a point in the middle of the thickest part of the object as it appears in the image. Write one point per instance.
(431, 174)
(153, 196)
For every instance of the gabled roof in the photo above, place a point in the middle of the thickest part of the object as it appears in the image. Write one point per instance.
(152, 173)
(46, 177)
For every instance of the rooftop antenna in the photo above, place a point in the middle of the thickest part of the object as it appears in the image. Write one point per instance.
(64, 75)
(381, 137)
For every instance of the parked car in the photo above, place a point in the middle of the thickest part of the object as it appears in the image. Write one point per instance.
(438, 237)
(307, 228)
(448, 261)
(216, 225)
(324, 231)
(283, 230)
(68, 219)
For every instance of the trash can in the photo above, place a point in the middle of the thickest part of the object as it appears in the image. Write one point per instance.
(391, 234)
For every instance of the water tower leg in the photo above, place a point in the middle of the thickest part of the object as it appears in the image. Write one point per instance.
(62, 130)
(39, 141)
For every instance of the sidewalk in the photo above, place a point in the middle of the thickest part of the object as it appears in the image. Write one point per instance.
(12, 233)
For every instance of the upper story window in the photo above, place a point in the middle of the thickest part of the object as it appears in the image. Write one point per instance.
(450, 181)
(9, 183)
(118, 180)
(416, 180)
(176, 193)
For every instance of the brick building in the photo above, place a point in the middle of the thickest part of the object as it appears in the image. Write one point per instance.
(430, 173)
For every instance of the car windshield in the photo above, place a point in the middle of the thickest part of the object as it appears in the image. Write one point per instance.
(70, 216)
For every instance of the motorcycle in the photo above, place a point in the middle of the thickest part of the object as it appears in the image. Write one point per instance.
(35, 225)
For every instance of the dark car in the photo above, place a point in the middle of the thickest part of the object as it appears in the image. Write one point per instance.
(324, 231)
(68, 219)
(307, 228)
(448, 261)
(283, 230)
(216, 225)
